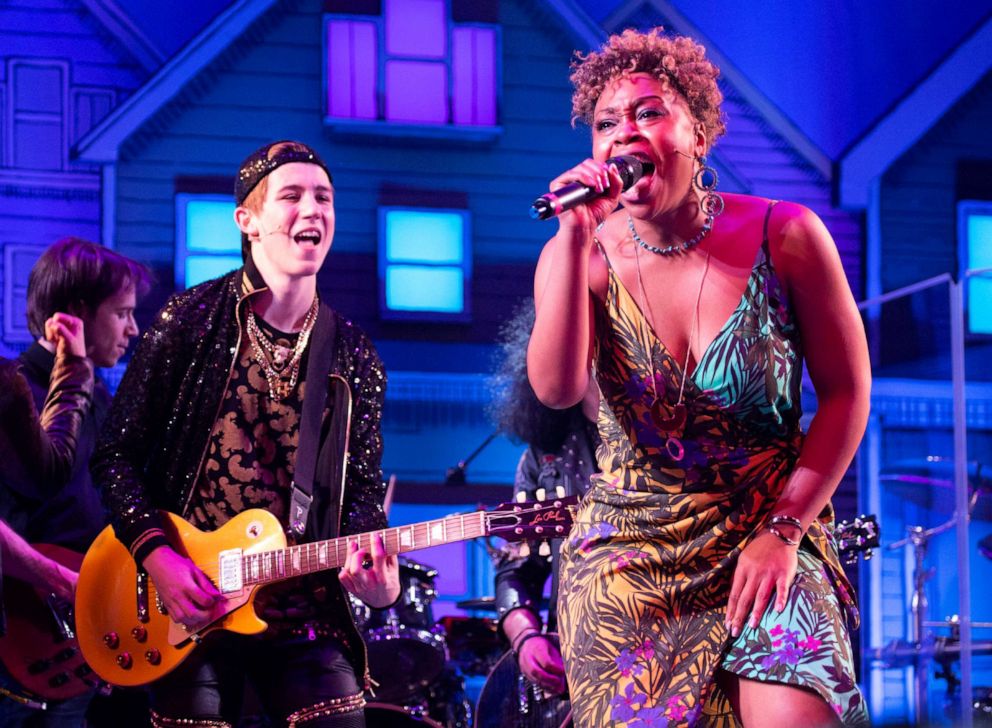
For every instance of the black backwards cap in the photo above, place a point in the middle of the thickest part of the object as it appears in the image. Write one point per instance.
(265, 160)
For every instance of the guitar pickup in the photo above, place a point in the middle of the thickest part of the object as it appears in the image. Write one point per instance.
(232, 575)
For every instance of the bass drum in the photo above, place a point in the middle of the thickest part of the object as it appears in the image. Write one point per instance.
(407, 650)
(382, 715)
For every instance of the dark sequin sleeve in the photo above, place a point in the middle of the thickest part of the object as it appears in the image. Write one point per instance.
(364, 487)
(135, 423)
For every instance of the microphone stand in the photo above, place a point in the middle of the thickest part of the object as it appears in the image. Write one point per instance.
(455, 475)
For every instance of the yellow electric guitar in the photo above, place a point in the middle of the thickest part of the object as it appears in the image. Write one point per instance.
(128, 639)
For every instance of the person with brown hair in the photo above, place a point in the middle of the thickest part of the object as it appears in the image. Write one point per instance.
(700, 583)
(249, 392)
(80, 307)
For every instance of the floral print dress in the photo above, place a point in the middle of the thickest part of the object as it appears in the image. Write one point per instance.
(647, 568)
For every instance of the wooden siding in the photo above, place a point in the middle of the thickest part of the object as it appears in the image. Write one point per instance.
(271, 88)
(918, 205)
(41, 206)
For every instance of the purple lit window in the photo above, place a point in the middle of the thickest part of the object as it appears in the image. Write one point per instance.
(399, 66)
(351, 69)
(416, 28)
(473, 62)
(416, 92)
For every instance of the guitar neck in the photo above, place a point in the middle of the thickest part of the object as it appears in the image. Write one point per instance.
(269, 566)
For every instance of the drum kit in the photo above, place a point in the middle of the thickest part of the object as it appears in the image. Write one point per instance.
(929, 483)
(418, 666)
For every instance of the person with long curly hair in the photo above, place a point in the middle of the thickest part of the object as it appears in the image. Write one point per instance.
(700, 584)
(560, 453)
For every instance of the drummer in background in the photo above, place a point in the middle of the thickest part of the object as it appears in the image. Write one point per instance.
(561, 451)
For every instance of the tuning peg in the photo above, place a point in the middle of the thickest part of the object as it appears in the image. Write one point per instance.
(521, 497)
(524, 550)
(540, 494)
(544, 549)
(560, 491)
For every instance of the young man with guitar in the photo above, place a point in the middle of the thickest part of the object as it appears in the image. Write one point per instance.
(80, 305)
(249, 392)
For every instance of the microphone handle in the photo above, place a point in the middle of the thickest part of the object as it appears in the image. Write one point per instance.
(564, 198)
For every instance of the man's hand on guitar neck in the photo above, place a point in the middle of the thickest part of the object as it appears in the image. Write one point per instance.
(372, 576)
(187, 593)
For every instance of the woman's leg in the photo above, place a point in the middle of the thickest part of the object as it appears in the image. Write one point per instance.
(775, 705)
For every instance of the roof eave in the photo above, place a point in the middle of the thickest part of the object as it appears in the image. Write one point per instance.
(120, 26)
(913, 117)
(103, 143)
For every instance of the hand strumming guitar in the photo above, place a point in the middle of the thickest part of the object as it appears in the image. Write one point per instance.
(538, 657)
(184, 589)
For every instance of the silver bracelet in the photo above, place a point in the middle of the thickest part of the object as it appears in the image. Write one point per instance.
(782, 536)
(775, 521)
(791, 520)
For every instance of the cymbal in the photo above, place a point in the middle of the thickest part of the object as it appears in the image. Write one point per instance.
(488, 604)
(930, 483)
(938, 471)
(482, 604)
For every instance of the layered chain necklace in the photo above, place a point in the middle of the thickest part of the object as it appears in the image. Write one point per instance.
(669, 423)
(280, 364)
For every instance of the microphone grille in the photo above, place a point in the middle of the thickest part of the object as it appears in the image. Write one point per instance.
(630, 168)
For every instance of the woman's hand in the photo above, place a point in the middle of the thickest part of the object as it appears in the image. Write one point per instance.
(67, 333)
(767, 565)
(372, 576)
(603, 178)
(541, 663)
(187, 593)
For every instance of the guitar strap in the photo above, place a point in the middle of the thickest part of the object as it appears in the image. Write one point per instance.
(319, 362)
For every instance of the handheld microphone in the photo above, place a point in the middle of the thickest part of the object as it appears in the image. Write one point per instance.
(564, 198)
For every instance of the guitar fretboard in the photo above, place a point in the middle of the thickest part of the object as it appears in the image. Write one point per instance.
(307, 558)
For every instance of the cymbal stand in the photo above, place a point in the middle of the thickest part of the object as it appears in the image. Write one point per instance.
(919, 538)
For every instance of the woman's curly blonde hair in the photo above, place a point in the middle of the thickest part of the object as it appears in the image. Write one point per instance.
(682, 60)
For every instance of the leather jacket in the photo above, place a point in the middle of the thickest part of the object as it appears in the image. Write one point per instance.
(38, 451)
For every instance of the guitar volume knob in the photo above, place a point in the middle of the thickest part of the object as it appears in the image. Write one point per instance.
(124, 660)
(153, 656)
(112, 640)
(140, 634)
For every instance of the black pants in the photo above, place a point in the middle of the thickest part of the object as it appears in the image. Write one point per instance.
(288, 675)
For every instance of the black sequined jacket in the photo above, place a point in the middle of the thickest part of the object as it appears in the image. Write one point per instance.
(155, 438)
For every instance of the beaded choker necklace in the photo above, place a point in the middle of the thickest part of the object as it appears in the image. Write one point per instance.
(279, 363)
(676, 248)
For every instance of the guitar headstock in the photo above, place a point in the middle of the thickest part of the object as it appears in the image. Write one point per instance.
(532, 520)
(858, 536)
